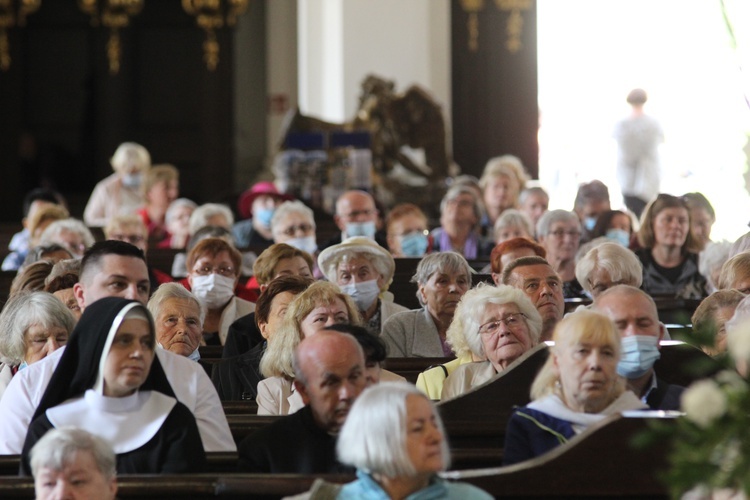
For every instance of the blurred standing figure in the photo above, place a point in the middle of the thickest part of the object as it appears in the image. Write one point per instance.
(120, 193)
(638, 137)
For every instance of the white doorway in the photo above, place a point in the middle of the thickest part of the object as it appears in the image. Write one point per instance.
(591, 53)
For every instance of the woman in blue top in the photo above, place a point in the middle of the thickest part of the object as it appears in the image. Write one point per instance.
(577, 386)
(395, 439)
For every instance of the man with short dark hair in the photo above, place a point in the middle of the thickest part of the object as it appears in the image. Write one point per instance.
(329, 372)
(112, 269)
(115, 269)
(536, 278)
(635, 314)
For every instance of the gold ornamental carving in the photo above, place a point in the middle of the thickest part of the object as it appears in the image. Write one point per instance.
(211, 15)
(13, 13)
(112, 14)
(513, 27)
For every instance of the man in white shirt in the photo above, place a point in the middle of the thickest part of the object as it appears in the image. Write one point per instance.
(115, 268)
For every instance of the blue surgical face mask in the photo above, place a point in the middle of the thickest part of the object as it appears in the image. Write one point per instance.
(639, 353)
(132, 180)
(589, 223)
(363, 293)
(413, 244)
(619, 236)
(23, 365)
(264, 215)
(306, 244)
(366, 229)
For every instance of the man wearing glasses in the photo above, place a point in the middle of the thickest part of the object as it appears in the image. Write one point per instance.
(559, 232)
(356, 215)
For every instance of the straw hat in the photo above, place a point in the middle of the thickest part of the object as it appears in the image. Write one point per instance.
(353, 246)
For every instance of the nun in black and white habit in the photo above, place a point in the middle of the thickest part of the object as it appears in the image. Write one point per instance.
(110, 383)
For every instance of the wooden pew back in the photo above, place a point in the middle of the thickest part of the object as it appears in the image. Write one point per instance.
(600, 462)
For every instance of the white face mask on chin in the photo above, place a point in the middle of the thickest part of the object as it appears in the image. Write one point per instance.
(213, 290)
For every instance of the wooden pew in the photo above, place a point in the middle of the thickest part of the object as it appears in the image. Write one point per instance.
(162, 258)
(216, 462)
(475, 421)
(410, 368)
(600, 462)
(194, 486)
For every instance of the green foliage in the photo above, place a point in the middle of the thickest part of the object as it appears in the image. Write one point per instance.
(712, 452)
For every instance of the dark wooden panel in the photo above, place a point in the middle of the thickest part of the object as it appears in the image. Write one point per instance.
(495, 108)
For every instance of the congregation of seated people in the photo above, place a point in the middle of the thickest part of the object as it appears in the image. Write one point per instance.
(126, 347)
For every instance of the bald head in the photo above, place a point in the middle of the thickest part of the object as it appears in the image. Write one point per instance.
(633, 311)
(355, 208)
(330, 373)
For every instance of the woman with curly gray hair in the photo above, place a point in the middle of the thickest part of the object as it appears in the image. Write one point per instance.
(500, 324)
(32, 326)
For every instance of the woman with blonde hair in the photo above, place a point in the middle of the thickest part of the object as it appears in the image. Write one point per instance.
(321, 305)
(577, 387)
(502, 181)
(119, 193)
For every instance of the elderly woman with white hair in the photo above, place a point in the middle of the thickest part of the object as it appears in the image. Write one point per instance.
(70, 461)
(177, 221)
(577, 387)
(120, 193)
(460, 214)
(442, 279)
(710, 261)
(403, 449)
(211, 214)
(293, 223)
(178, 317)
(363, 270)
(500, 324)
(69, 233)
(559, 232)
(607, 265)
(32, 326)
(512, 223)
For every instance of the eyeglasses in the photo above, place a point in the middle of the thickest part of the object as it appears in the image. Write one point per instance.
(130, 238)
(561, 234)
(226, 271)
(512, 321)
(460, 203)
(292, 230)
(356, 213)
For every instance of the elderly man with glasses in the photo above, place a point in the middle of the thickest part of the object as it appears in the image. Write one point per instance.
(356, 215)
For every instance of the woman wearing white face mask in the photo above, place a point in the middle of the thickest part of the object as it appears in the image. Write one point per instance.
(120, 193)
(363, 270)
(293, 223)
(214, 268)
